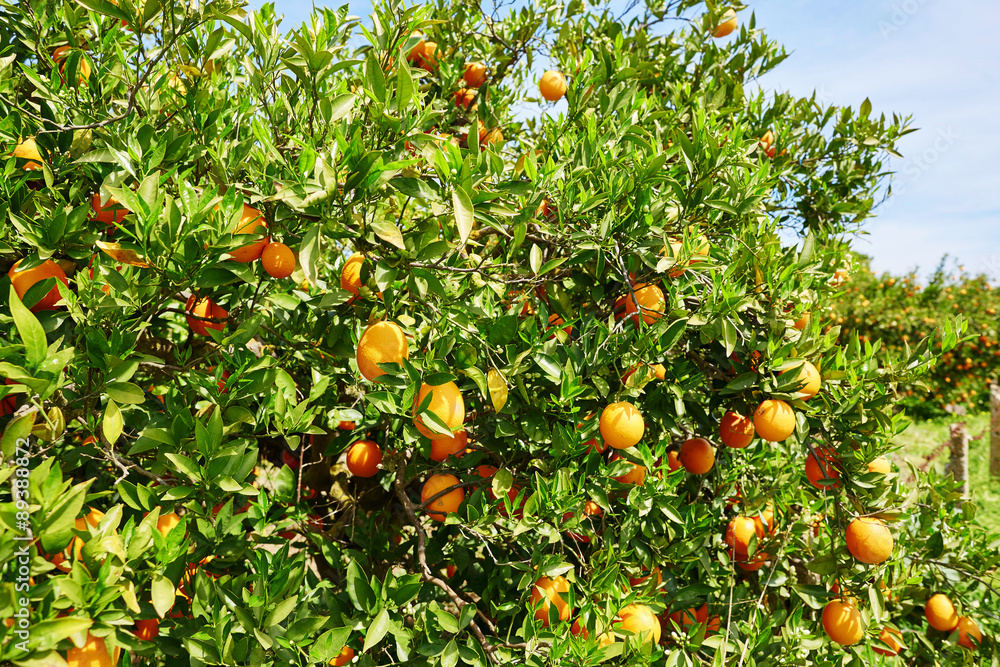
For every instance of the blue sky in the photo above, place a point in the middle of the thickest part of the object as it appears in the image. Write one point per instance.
(934, 59)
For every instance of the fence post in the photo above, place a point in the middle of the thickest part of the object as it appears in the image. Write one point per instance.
(959, 465)
(995, 429)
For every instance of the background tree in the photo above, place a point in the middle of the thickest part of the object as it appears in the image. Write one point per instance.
(399, 454)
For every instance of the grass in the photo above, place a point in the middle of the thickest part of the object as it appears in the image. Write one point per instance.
(922, 438)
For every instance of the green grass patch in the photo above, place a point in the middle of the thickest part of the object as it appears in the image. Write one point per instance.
(922, 438)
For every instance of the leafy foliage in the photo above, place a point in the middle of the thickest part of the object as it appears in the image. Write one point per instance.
(508, 247)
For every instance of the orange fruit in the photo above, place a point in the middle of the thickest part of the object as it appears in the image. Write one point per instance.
(673, 462)
(418, 49)
(27, 149)
(697, 456)
(621, 425)
(451, 446)
(345, 656)
(735, 430)
(713, 624)
(809, 377)
(93, 654)
(637, 475)
(869, 540)
(111, 213)
(350, 275)
(204, 307)
(659, 371)
(464, 97)
(552, 85)
(727, 24)
(739, 533)
(489, 137)
(428, 57)
(758, 561)
(551, 592)
(966, 628)
(687, 618)
(940, 613)
(250, 222)
(147, 629)
(447, 405)
(381, 343)
(92, 520)
(765, 520)
(641, 622)
(842, 622)
(555, 321)
(892, 638)
(278, 260)
(167, 522)
(880, 465)
(801, 323)
(60, 53)
(822, 463)
(474, 75)
(448, 502)
(650, 299)
(23, 281)
(774, 420)
(363, 458)
(579, 630)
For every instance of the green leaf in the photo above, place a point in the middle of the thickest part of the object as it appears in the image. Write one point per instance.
(30, 330)
(866, 108)
(342, 105)
(464, 216)
(125, 392)
(387, 230)
(103, 7)
(17, 430)
(377, 630)
(375, 78)
(672, 334)
(112, 423)
(358, 588)
(449, 657)
(163, 595)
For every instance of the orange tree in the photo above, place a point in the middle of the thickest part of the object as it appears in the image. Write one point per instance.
(902, 311)
(541, 387)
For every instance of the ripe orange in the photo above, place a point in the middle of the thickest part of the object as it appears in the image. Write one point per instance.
(448, 502)
(60, 53)
(621, 425)
(23, 280)
(93, 654)
(111, 213)
(687, 618)
(764, 521)
(673, 463)
(447, 405)
(802, 322)
(727, 24)
(660, 372)
(363, 458)
(697, 456)
(940, 613)
(880, 465)
(758, 561)
(278, 260)
(739, 533)
(650, 299)
(451, 446)
(381, 343)
(552, 85)
(555, 321)
(250, 222)
(823, 463)
(603, 639)
(774, 420)
(204, 307)
(92, 520)
(637, 475)
(418, 49)
(713, 624)
(869, 540)
(809, 378)
(842, 622)
(464, 97)
(147, 629)
(735, 430)
(428, 57)
(350, 275)
(547, 593)
(966, 628)
(475, 74)
(489, 137)
(27, 149)
(640, 621)
(344, 657)
(892, 638)
(167, 522)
